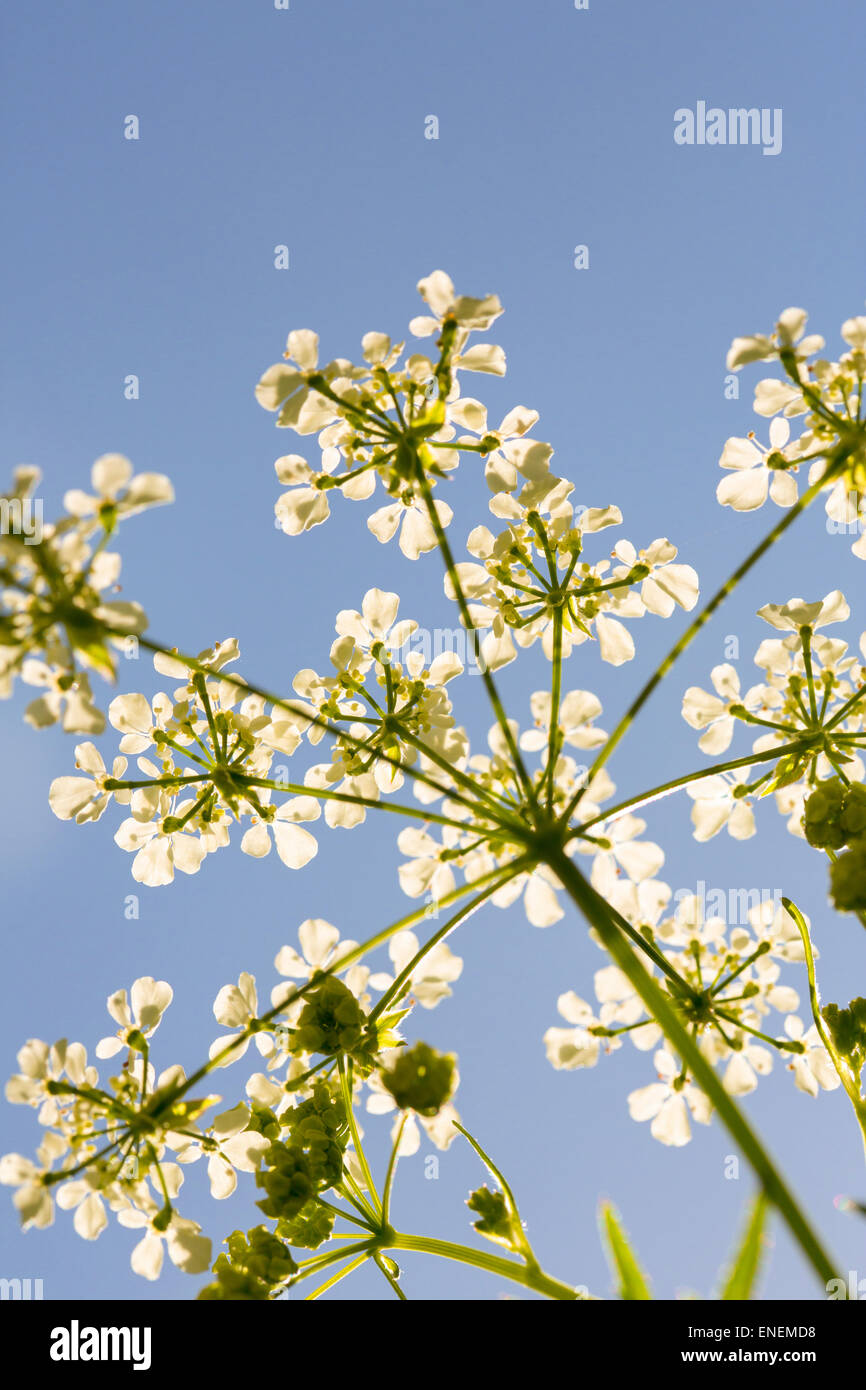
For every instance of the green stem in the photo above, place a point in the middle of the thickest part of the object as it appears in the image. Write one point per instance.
(555, 696)
(504, 876)
(298, 789)
(392, 1170)
(843, 1071)
(335, 1278)
(530, 1278)
(701, 774)
(489, 683)
(609, 924)
(348, 1100)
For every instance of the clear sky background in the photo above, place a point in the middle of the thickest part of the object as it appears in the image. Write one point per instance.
(306, 128)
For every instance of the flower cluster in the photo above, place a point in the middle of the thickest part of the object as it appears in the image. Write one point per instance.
(533, 583)
(512, 822)
(121, 1146)
(829, 396)
(382, 711)
(382, 420)
(724, 982)
(58, 618)
(105, 1145)
(489, 835)
(811, 707)
(208, 758)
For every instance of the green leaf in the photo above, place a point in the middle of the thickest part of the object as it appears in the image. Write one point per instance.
(497, 1218)
(746, 1267)
(848, 1031)
(632, 1281)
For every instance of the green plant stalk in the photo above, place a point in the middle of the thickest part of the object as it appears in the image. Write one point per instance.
(843, 1071)
(529, 1278)
(506, 873)
(555, 697)
(606, 922)
(489, 683)
(635, 803)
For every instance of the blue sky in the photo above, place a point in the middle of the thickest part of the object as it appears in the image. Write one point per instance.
(156, 258)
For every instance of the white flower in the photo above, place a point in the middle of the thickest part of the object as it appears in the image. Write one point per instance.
(295, 845)
(319, 941)
(117, 491)
(240, 1150)
(576, 713)
(157, 853)
(90, 1218)
(813, 1069)
(744, 1068)
(717, 804)
(85, 798)
(439, 1128)
(236, 1006)
(187, 1248)
(568, 1048)
(433, 975)
(71, 704)
(148, 1001)
(788, 335)
(713, 712)
(32, 1200)
(638, 859)
(753, 477)
(669, 1105)
(437, 290)
(376, 624)
(791, 616)
(417, 535)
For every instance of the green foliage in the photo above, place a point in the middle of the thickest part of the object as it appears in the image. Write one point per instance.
(632, 1282)
(497, 1218)
(746, 1266)
(848, 1031)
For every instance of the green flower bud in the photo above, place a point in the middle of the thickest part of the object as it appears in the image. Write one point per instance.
(255, 1263)
(264, 1121)
(823, 814)
(310, 1228)
(853, 819)
(421, 1079)
(331, 1021)
(848, 880)
(286, 1178)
